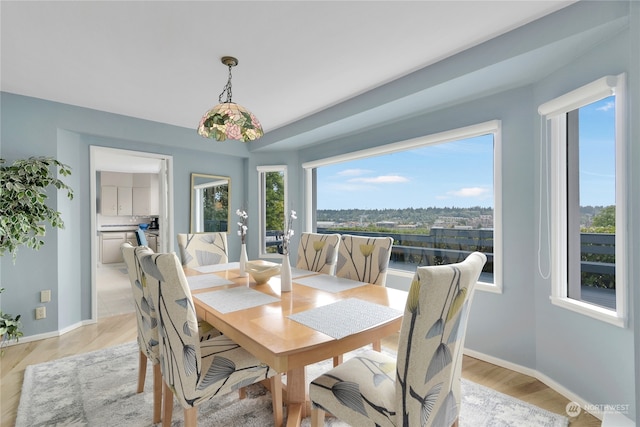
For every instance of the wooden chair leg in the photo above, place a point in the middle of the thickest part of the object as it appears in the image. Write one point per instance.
(142, 371)
(455, 423)
(167, 405)
(157, 393)
(242, 393)
(377, 346)
(276, 399)
(317, 417)
(337, 360)
(191, 417)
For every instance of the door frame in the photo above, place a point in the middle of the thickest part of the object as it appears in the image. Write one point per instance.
(165, 216)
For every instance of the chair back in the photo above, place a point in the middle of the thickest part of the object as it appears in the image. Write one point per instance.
(364, 258)
(431, 341)
(318, 252)
(180, 354)
(146, 316)
(203, 249)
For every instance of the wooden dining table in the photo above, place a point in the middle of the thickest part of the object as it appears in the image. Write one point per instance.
(268, 330)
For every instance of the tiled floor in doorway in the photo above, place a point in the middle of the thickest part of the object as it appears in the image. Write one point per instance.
(114, 290)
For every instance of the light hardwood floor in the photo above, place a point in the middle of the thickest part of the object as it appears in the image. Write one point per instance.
(119, 329)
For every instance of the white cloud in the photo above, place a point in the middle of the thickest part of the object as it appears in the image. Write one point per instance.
(383, 179)
(608, 106)
(469, 192)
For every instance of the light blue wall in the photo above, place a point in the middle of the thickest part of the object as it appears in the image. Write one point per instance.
(33, 127)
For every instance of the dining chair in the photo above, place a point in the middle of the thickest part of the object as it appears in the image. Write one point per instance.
(195, 371)
(318, 252)
(147, 323)
(421, 386)
(203, 249)
(364, 259)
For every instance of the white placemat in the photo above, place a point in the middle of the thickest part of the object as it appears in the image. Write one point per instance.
(217, 267)
(206, 281)
(346, 317)
(328, 283)
(234, 299)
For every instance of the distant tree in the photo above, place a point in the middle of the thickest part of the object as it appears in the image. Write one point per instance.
(605, 218)
(274, 198)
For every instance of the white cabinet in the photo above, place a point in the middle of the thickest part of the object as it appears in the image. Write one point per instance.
(141, 201)
(109, 201)
(110, 245)
(111, 251)
(127, 194)
(116, 201)
(152, 242)
(125, 201)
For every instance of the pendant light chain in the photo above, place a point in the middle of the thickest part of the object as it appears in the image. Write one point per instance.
(227, 88)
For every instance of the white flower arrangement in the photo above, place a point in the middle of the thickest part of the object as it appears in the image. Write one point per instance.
(242, 225)
(288, 232)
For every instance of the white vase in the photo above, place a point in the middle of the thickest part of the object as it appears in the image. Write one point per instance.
(243, 260)
(285, 274)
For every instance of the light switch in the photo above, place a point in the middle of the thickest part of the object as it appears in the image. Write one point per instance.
(45, 296)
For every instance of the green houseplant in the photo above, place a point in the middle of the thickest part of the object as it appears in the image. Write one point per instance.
(24, 214)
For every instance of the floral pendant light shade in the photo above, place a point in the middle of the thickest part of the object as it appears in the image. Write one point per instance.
(228, 120)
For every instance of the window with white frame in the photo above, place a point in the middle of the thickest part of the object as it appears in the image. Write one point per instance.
(438, 196)
(584, 131)
(273, 199)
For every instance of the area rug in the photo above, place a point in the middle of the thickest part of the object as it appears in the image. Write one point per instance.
(98, 389)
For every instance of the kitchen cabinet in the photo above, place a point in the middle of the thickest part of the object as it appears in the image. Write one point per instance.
(116, 201)
(141, 201)
(110, 245)
(127, 194)
(152, 242)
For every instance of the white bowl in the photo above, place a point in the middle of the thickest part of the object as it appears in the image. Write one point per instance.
(261, 270)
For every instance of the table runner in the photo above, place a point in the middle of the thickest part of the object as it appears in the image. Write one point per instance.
(234, 299)
(346, 317)
(217, 267)
(325, 282)
(203, 281)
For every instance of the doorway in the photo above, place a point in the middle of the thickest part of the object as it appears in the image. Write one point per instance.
(110, 287)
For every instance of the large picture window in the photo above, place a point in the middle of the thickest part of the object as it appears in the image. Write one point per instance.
(437, 196)
(583, 129)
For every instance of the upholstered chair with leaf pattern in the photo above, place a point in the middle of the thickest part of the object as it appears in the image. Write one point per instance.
(318, 252)
(203, 249)
(421, 387)
(147, 324)
(364, 259)
(195, 371)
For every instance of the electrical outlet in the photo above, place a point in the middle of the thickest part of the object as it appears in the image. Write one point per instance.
(41, 312)
(45, 296)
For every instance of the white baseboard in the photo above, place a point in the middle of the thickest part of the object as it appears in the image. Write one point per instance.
(539, 376)
(52, 334)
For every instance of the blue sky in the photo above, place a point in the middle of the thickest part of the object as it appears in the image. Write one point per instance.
(455, 174)
(460, 174)
(597, 153)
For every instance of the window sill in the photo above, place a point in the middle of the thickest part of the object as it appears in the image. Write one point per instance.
(591, 310)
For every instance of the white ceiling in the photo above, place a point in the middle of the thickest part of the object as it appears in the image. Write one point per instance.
(160, 60)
